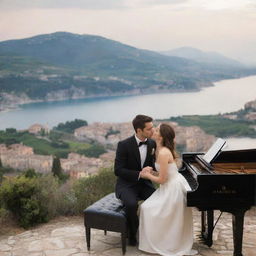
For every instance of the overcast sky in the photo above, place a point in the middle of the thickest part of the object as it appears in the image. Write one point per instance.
(224, 26)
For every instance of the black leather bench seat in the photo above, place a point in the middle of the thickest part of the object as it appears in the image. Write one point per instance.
(106, 214)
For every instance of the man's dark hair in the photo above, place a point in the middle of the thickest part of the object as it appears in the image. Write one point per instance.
(140, 120)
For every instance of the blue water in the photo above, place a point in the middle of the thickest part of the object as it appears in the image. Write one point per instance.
(225, 96)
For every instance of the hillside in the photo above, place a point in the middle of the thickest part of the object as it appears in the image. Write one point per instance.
(202, 56)
(241, 123)
(63, 65)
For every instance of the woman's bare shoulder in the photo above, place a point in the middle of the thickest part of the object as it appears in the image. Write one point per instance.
(165, 152)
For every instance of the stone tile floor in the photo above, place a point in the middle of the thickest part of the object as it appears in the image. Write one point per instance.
(65, 237)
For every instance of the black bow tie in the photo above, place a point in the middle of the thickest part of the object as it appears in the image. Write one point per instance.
(143, 143)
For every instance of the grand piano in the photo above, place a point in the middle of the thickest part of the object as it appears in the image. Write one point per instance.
(225, 182)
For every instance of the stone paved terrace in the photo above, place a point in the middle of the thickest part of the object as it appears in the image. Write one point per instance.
(65, 237)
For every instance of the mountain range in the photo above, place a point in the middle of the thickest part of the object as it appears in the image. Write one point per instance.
(65, 65)
(203, 57)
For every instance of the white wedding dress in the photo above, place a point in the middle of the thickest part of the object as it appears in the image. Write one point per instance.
(166, 224)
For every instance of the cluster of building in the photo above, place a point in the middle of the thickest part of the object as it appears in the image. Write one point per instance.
(22, 157)
(192, 138)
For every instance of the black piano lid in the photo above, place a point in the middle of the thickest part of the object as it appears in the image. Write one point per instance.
(236, 156)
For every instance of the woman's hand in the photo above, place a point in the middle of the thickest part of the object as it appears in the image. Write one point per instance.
(146, 172)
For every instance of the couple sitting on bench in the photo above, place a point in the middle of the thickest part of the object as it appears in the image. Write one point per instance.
(165, 223)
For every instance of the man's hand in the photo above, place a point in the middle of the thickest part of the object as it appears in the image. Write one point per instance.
(145, 171)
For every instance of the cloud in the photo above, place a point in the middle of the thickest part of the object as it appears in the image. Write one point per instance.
(84, 4)
(49, 4)
(224, 26)
(218, 5)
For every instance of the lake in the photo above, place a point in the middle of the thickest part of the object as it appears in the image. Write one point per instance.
(225, 96)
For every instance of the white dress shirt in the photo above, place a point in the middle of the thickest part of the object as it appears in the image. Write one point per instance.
(143, 151)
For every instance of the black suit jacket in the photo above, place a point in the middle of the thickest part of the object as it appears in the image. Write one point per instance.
(128, 164)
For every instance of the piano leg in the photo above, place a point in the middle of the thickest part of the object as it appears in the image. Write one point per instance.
(238, 226)
(207, 226)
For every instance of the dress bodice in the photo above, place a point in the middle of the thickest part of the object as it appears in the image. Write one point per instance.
(172, 168)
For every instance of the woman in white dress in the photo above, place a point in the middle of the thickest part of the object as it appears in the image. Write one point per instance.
(166, 224)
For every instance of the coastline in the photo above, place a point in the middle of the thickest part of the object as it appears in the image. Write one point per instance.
(24, 99)
(7, 107)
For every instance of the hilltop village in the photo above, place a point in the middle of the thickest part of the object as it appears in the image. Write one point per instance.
(22, 157)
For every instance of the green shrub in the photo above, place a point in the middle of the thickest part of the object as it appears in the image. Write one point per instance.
(70, 126)
(30, 173)
(10, 130)
(21, 195)
(90, 189)
(34, 198)
(111, 132)
(93, 151)
(1, 175)
(48, 186)
(66, 199)
(4, 215)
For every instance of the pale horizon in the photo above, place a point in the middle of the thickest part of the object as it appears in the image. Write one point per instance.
(227, 27)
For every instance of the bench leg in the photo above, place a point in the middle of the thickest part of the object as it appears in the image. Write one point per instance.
(123, 238)
(88, 237)
(105, 232)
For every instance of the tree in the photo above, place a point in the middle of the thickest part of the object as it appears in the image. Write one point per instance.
(93, 151)
(1, 178)
(57, 170)
(70, 126)
(1, 172)
(56, 167)
(30, 173)
(11, 130)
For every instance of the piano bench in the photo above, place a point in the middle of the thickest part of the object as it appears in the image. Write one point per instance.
(106, 214)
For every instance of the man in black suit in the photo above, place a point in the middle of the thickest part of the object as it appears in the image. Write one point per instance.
(133, 155)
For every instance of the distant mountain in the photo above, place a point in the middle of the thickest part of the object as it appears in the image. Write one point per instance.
(65, 65)
(88, 52)
(201, 56)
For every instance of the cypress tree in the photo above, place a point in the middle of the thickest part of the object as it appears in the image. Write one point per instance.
(56, 167)
(1, 172)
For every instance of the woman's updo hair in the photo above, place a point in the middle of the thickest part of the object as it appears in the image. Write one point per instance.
(168, 135)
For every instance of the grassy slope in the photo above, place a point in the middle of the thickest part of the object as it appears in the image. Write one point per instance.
(218, 125)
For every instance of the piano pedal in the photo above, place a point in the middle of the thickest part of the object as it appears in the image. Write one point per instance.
(204, 240)
(200, 238)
